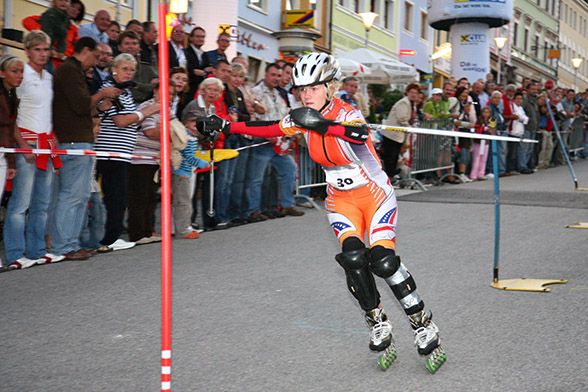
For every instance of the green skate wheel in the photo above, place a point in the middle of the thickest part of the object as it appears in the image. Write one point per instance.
(435, 360)
(386, 359)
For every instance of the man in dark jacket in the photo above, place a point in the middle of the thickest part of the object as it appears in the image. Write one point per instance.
(198, 64)
(73, 107)
(531, 109)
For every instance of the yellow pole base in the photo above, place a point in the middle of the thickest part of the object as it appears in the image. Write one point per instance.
(582, 189)
(578, 225)
(524, 284)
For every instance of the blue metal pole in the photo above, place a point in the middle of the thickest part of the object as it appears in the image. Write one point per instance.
(494, 147)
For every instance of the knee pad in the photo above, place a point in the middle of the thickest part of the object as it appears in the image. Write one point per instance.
(360, 280)
(383, 261)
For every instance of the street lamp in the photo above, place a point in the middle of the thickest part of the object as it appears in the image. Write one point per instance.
(576, 62)
(368, 19)
(500, 42)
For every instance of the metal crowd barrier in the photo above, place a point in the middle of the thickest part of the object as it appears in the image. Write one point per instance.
(309, 174)
(430, 153)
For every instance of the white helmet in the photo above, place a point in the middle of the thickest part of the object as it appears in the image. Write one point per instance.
(315, 68)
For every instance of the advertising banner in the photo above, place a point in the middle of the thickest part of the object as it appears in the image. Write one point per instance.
(443, 13)
(470, 56)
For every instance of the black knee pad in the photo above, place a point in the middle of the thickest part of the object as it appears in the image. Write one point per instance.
(352, 243)
(383, 261)
(360, 280)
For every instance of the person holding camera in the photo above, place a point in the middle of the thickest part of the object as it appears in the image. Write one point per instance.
(118, 134)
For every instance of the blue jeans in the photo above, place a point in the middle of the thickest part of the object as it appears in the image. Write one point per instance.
(239, 201)
(525, 151)
(501, 155)
(94, 223)
(72, 199)
(224, 179)
(31, 190)
(286, 167)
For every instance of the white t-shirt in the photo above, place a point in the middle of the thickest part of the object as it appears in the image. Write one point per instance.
(36, 98)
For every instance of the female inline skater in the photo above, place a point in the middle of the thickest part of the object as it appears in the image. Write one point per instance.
(360, 198)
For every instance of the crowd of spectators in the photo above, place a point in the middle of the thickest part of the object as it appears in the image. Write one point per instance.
(96, 87)
(486, 107)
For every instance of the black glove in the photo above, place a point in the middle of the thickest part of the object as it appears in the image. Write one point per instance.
(211, 125)
(309, 118)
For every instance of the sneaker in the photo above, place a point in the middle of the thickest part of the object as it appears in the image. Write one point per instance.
(239, 221)
(464, 178)
(51, 258)
(489, 176)
(121, 244)
(223, 225)
(196, 227)
(527, 171)
(192, 236)
(22, 263)
(292, 211)
(256, 217)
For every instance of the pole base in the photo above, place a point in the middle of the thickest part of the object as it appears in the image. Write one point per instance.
(578, 225)
(524, 284)
(582, 189)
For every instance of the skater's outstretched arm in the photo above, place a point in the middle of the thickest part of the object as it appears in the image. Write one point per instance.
(212, 124)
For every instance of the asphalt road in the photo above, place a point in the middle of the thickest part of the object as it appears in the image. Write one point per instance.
(265, 307)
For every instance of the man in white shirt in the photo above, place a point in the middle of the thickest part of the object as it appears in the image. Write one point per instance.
(31, 188)
(96, 29)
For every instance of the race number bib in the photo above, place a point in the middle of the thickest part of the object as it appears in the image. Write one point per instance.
(345, 177)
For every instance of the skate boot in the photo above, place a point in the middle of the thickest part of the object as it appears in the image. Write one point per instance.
(381, 339)
(426, 338)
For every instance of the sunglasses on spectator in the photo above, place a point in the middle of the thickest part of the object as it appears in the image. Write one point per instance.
(224, 40)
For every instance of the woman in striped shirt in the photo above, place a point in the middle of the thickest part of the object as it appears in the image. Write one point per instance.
(118, 134)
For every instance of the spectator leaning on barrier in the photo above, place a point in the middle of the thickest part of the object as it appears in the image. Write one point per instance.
(73, 107)
(197, 62)
(118, 134)
(97, 29)
(24, 238)
(403, 113)
(11, 76)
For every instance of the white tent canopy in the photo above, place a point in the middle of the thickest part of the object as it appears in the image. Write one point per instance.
(384, 70)
(351, 67)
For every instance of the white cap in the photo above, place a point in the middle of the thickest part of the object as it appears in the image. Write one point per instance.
(436, 90)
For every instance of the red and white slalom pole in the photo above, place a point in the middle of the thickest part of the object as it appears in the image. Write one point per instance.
(166, 252)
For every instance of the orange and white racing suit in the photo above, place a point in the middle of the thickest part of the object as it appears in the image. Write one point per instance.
(360, 196)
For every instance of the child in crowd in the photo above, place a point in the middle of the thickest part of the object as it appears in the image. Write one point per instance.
(181, 189)
(545, 130)
(55, 22)
(480, 154)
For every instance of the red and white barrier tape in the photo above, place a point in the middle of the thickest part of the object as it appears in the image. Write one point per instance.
(75, 152)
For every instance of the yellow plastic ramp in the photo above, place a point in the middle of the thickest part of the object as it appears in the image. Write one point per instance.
(524, 284)
(578, 225)
(219, 155)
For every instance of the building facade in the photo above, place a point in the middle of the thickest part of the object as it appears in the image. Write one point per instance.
(533, 32)
(415, 35)
(573, 44)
